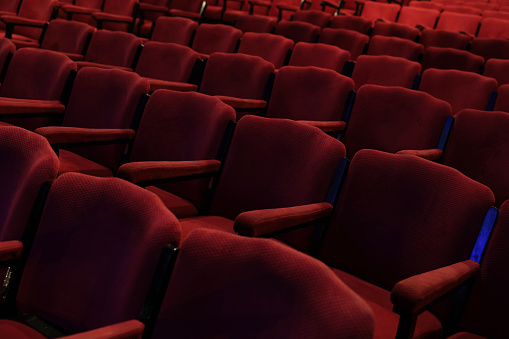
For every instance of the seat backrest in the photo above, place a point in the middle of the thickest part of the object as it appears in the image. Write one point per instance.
(212, 38)
(10, 6)
(268, 289)
(104, 98)
(67, 36)
(502, 102)
(494, 28)
(413, 16)
(346, 39)
(487, 13)
(193, 6)
(459, 22)
(309, 93)
(442, 38)
(119, 7)
(255, 23)
(490, 48)
(385, 70)
(427, 4)
(485, 313)
(451, 58)
(317, 18)
(391, 119)
(100, 240)
(271, 47)
(236, 75)
(401, 215)
(41, 10)
(350, 22)
(298, 31)
(379, 10)
(498, 69)
(465, 9)
(395, 29)
(389, 45)
(174, 29)
(29, 162)
(6, 48)
(177, 126)
(36, 74)
(112, 48)
(459, 88)
(481, 153)
(166, 61)
(319, 55)
(274, 163)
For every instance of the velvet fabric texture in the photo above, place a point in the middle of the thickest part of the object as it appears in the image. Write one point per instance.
(36, 12)
(394, 46)
(271, 47)
(255, 23)
(415, 16)
(459, 22)
(433, 212)
(498, 69)
(174, 29)
(493, 28)
(395, 29)
(451, 58)
(319, 55)
(441, 38)
(256, 288)
(309, 93)
(216, 38)
(374, 11)
(385, 70)
(100, 240)
(298, 31)
(350, 22)
(502, 103)
(346, 39)
(6, 47)
(31, 162)
(490, 48)
(459, 88)
(390, 119)
(480, 153)
(317, 18)
(68, 37)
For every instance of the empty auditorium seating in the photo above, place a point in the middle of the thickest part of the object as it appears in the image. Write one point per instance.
(174, 29)
(167, 66)
(399, 47)
(451, 58)
(111, 49)
(216, 38)
(271, 47)
(101, 110)
(287, 9)
(374, 11)
(462, 9)
(255, 23)
(442, 38)
(391, 119)
(490, 48)
(354, 23)
(459, 88)
(459, 22)
(502, 102)
(421, 17)
(395, 29)
(385, 70)
(427, 4)
(498, 69)
(346, 39)
(495, 14)
(232, 9)
(394, 222)
(297, 31)
(187, 9)
(320, 97)
(319, 55)
(100, 240)
(494, 28)
(317, 18)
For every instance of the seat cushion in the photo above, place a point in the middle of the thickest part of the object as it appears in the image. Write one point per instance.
(386, 321)
(210, 222)
(15, 330)
(465, 335)
(177, 205)
(71, 162)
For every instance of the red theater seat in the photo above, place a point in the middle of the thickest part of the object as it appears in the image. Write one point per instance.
(451, 58)
(497, 69)
(346, 39)
(493, 28)
(271, 47)
(319, 55)
(375, 11)
(418, 17)
(297, 31)
(317, 18)
(388, 45)
(490, 48)
(395, 29)
(255, 23)
(216, 38)
(174, 29)
(459, 22)
(355, 23)
(502, 102)
(441, 38)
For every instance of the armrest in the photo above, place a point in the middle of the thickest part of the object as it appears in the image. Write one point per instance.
(326, 126)
(28, 108)
(152, 8)
(101, 16)
(259, 222)
(10, 250)
(147, 171)
(58, 135)
(413, 294)
(429, 154)
(72, 9)
(21, 21)
(239, 103)
(132, 329)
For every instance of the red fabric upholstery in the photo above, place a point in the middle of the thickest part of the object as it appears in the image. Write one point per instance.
(6, 47)
(166, 61)
(490, 48)
(31, 162)
(494, 28)
(258, 288)
(181, 127)
(441, 38)
(116, 14)
(72, 162)
(487, 13)
(271, 47)
(132, 329)
(350, 22)
(398, 216)
(388, 45)
(461, 89)
(430, 5)
(66, 36)
(385, 70)
(234, 9)
(14, 330)
(466, 9)
(451, 58)
(395, 29)
(174, 29)
(459, 22)
(298, 31)
(112, 48)
(100, 240)
(390, 119)
(309, 93)
(255, 23)
(9, 6)
(185, 8)
(10, 250)
(317, 18)
(502, 103)
(115, 96)
(430, 154)
(498, 69)
(480, 153)
(33, 10)
(415, 16)
(77, 135)
(216, 38)
(319, 55)
(374, 11)
(29, 106)
(346, 39)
